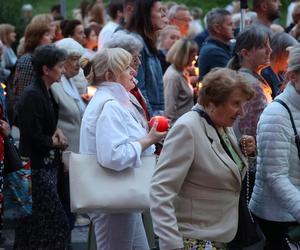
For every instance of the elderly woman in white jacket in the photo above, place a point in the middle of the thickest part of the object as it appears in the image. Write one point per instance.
(111, 131)
(276, 197)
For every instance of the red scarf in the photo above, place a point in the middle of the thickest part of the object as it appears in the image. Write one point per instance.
(135, 91)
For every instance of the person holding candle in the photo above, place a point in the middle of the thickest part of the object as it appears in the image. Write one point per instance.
(66, 95)
(134, 46)
(71, 108)
(110, 130)
(252, 51)
(196, 186)
(178, 90)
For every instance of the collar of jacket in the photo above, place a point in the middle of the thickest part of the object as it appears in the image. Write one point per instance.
(226, 46)
(221, 153)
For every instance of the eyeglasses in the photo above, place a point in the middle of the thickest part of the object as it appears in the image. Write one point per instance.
(136, 60)
(184, 19)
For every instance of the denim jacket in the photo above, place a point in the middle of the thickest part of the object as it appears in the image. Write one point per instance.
(150, 80)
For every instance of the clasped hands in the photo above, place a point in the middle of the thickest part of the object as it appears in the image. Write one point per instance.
(248, 145)
(4, 128)
(59, 140)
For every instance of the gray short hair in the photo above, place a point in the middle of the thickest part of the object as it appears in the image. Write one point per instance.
(294, 59)
(121, 39)
(280, 42)
(215, 16)
(174, 9)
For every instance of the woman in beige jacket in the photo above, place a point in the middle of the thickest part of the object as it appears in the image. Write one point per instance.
(196, 186)
(178, 90)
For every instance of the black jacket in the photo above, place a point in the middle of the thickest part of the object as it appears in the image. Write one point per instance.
(37, 115)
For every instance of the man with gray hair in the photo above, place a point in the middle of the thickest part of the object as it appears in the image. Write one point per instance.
(179, 16)
(217, 49)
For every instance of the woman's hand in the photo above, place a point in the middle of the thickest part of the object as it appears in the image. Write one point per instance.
(4, 128)
(152, 137)
(86, 97)
(248, 145)
(59, 140)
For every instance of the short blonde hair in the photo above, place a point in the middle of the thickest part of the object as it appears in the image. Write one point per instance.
(219, 83)
(114, 60)
(163, 34)
(179, 53)
(5, 30)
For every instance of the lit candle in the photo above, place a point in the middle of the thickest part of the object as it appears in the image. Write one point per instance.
(91, 90)
(199, 85)
(195, 66)
(4, 87)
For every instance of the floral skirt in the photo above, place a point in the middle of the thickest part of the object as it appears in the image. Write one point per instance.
(47, 227)
(192, 244)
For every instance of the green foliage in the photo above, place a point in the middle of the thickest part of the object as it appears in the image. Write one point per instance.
(10, 11)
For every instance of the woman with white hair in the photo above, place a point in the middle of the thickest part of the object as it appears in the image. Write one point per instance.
(134, 46)
(110, 131)
(275, 199)
(71, 108)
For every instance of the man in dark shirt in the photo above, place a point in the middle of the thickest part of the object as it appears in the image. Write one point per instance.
(216, 50)
(201, 37)
(267, 11)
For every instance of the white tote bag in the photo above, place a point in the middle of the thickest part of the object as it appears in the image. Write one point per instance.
(95, 189)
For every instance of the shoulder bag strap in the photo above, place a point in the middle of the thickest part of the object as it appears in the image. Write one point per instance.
(297, 138)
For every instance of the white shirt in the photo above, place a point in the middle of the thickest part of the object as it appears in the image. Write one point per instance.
(110, 131)
(106, 33)
(289, 18)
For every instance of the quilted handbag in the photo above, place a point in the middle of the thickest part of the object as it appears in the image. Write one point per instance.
(18, 193)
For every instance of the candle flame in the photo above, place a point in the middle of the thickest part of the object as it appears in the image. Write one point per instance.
(91, 90)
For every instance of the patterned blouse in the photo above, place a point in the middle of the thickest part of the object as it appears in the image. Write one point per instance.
(248, 123)
(24, 75)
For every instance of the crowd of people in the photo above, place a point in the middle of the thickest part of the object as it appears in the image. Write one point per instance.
(92, 83)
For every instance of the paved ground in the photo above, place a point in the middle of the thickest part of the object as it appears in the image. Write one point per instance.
(79, 234)
(79, 237)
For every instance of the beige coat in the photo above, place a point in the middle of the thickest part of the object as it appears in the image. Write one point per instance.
(69, 116)
(178, 94)
(196, 186)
